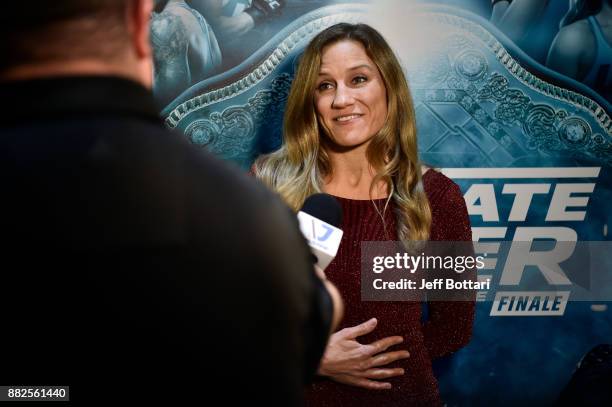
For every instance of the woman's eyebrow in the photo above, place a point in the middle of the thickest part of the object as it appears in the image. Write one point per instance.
(359, 67)
(353, 68)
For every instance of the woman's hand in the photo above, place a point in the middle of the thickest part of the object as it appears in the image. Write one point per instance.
(349, 362)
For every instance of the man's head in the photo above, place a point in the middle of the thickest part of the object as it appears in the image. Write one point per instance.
(79, 37)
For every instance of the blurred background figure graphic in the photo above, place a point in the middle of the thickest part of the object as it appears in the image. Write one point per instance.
(582, 49)
(186, 50)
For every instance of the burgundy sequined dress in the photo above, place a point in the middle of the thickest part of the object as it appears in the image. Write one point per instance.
(449, 325)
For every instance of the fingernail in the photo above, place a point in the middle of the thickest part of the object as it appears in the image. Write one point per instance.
(387, 386)
(402, 371)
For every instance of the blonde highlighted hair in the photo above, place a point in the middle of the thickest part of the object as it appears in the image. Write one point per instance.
(298, 168)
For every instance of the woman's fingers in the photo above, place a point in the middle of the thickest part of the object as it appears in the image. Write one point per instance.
(362, 382)
(359, 330)
(389, 357)
(382, 373)
(382, 345)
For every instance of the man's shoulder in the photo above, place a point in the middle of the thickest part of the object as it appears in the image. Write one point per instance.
(209, 183)
(224, 183)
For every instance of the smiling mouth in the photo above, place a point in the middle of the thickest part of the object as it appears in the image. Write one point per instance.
(347, 118)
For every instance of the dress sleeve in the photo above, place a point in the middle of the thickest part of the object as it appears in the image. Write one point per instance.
(449, 326)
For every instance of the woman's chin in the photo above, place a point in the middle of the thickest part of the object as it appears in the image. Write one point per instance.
(348, 142)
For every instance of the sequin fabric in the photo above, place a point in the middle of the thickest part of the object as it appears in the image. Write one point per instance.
(449, 324)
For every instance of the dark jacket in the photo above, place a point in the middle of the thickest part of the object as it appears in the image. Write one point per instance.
(136, 265)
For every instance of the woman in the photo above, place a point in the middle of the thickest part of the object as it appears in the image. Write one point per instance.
(350, 132)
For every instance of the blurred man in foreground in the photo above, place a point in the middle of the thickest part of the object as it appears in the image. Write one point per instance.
(136, 267)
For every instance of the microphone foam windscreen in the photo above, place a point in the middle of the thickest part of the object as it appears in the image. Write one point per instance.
(324, 207)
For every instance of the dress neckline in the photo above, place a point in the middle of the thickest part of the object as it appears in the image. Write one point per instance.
(377, 200)
(350, 200)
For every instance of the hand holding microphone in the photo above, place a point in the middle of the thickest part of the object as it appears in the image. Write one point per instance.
(319, 219)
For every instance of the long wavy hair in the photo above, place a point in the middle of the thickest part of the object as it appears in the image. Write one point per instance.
(299, 167)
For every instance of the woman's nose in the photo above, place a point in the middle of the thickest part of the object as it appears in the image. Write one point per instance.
(343, 97)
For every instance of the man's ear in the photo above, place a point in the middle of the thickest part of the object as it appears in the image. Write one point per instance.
(138, 19)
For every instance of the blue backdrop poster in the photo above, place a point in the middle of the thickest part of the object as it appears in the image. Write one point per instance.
(513, 103)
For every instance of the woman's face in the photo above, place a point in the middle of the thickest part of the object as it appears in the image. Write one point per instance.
(350, 96)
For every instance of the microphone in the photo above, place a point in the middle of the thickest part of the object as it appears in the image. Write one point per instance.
(319, 219)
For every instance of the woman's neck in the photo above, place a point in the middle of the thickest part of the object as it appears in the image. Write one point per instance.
(352, 176)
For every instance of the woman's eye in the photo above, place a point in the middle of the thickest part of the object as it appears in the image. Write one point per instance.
(324, 86)
(359, 79)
